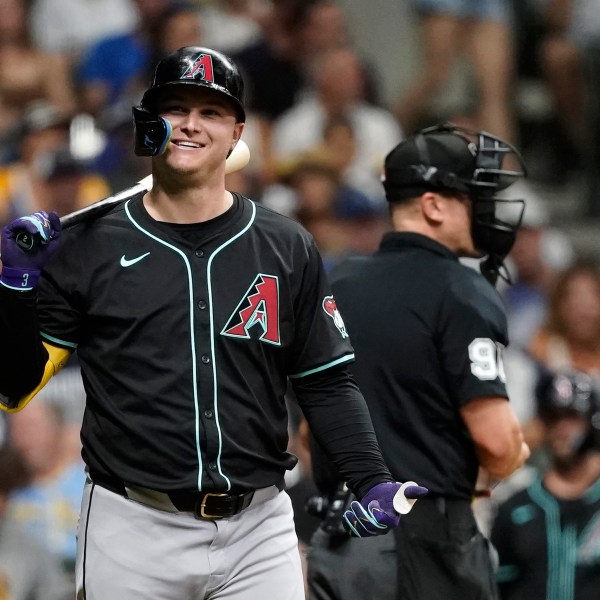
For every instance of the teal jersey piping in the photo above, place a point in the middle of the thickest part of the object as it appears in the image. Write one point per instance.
(57, 340)
(339, 361)
(561, 556)
(192, 336)
(212, 336)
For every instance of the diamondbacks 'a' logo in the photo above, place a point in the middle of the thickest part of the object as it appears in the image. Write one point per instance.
(201, 68)
(259, 309)
(330, 307)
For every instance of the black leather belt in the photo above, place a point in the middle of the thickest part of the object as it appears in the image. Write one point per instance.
(209, 505)
(204, 505)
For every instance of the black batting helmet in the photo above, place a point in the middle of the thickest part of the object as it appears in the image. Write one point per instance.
(570, 393)
(450, 158)
(191, 65)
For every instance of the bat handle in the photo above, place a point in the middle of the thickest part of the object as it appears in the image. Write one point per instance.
(27, 241)
(402, 504)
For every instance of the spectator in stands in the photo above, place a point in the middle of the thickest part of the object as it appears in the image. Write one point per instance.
(293, 31)
(232, 25)
(480, 32)
(324, 25)
(570, 58)
(65, 390)
(337, 89)
(27, 570)
(71, 26)
(26, 72)
(48, 505)
(540, 253)
(315, 189)
(180, 26)
(570, 336)
(572, 28)
(43, 128)
(317, 197)
(30, 183)
(117, 67)
(275, 66)
(65, 183)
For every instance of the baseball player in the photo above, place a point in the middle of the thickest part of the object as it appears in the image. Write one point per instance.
(428, 333)
(548, 534)
(190, 307)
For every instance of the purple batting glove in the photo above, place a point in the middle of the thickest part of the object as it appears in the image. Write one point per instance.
(27, 244)
(375, 513)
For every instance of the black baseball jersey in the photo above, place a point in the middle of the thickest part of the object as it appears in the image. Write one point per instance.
(186, 336)
(549, 548)
(428, 334)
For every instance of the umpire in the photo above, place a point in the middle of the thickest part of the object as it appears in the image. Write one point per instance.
(428, 333)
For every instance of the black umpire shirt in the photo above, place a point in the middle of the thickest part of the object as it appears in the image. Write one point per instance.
(428, 334)
(186, 336)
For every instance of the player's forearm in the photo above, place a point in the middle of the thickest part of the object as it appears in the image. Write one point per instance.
(340, 422)
(22, 354)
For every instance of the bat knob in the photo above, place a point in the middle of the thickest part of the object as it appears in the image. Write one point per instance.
(25, 240)
(402, 504)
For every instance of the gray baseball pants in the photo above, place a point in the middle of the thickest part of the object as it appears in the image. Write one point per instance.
(129, 550)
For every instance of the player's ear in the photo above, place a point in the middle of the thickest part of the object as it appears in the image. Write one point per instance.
(237, 133)
(432, 207)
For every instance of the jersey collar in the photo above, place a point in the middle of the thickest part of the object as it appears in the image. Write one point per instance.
(396, 240)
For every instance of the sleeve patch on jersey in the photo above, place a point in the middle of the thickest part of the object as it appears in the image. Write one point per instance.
(331, 310)
(486, 359)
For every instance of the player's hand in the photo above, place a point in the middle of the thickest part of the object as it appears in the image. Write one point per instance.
(26, 245)
(379, 509)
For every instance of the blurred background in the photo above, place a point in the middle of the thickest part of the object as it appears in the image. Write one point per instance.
(332, 86)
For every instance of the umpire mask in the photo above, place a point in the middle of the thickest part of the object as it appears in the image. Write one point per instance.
(450, 158)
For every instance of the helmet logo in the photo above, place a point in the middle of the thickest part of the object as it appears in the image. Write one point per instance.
(201, 68)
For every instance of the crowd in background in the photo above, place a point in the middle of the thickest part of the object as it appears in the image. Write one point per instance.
(319, 128)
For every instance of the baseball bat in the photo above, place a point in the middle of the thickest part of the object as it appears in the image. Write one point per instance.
(402, 504)
(237, 160)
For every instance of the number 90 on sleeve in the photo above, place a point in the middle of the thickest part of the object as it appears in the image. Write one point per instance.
(486, 359)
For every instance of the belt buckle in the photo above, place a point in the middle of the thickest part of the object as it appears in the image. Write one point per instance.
(203, 512)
